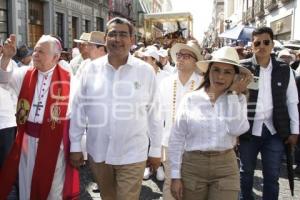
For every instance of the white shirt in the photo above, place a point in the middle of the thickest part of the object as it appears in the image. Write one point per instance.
(202, 126)
(75, 63)
(264, 106)
(160, 76)
(119, 107)
(8, 101)
(168, 68)
(167, 92)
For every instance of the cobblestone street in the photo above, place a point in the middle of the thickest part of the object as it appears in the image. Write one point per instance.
(152, 189)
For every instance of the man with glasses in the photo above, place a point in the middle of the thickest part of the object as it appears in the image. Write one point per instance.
(272, 113)
(118, 99)
(172, 89)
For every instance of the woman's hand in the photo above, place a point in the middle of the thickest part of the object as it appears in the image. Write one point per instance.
(177, 189)
(241, 82)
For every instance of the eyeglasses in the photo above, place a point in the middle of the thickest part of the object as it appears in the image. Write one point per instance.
(121, 34)
(265, 42)
(185, 56)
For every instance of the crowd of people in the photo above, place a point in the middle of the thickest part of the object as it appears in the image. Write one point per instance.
(130, 111)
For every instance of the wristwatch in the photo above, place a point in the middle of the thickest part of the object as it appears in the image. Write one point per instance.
(233, 92)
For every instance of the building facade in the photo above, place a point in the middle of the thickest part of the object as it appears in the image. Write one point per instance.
(29, 19)
(283, 16)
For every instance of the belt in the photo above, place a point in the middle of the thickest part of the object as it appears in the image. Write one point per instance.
(33, 129)
(213, 153)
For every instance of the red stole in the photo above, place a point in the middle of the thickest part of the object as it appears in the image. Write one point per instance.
(53, 131)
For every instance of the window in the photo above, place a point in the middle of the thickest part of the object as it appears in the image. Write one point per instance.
(99, 24)
(87, 26)
(3, 20)
(60, 25)
(74, 28)
(36, 22)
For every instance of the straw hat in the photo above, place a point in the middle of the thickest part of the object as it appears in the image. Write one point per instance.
(226, 55)
(83, 38)
(191, 46)
(96, 37)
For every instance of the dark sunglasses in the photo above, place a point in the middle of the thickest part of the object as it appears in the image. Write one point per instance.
(265, 42)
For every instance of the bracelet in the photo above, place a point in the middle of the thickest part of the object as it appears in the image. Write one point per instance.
(231, 92)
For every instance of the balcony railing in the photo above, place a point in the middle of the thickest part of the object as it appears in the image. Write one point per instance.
(250, 14)
(259, 8)
(270, 4)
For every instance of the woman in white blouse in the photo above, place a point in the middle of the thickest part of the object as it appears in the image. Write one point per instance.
(203, 163)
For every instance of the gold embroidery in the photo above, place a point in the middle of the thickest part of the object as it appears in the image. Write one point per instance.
(55, 111)
(23, 108)
(175, 95)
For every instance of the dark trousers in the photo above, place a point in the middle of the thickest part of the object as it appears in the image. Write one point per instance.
(271, 148)
(7, 138)
(297, 153)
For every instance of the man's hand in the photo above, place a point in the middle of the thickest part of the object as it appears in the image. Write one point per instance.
(177, 189)
(76, 159)
(292, 139)
(153, 163)
(9, 47)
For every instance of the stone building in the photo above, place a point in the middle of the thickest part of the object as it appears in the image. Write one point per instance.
(29, 19)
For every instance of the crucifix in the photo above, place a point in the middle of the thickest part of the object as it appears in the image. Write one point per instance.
(38, 105)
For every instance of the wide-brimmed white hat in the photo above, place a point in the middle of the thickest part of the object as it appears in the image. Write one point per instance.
(83, 38)
(226, 55)
(96, 37)
(191, 46)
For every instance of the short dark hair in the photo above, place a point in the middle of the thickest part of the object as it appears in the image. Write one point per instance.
(120, 20)
(262, 30)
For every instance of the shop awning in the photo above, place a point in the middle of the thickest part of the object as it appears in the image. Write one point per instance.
(239, 32)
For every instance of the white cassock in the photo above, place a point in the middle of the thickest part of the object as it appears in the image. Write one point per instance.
(30, 144)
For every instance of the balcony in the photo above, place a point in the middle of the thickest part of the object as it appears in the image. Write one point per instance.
(250, 14)
(259, 8)
(270, 4)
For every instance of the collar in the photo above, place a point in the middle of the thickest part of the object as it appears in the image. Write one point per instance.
(130, 61)
(193, 77)
(46, 73)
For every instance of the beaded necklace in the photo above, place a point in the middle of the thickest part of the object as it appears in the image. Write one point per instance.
(175, 95)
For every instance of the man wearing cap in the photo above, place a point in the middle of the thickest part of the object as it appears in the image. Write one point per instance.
(40, 152)
(164, 60)
(118, 98)
(150, 55)
(23, 56)
(285, 56)
(272, 114)
(84, 54)
(172, 89)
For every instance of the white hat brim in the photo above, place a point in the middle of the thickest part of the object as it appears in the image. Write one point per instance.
(178, 46)
(203, 66)
(79, 41)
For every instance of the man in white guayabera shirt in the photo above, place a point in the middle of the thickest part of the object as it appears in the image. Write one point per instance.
(117, 97)
(39, 154)
(172, 90)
